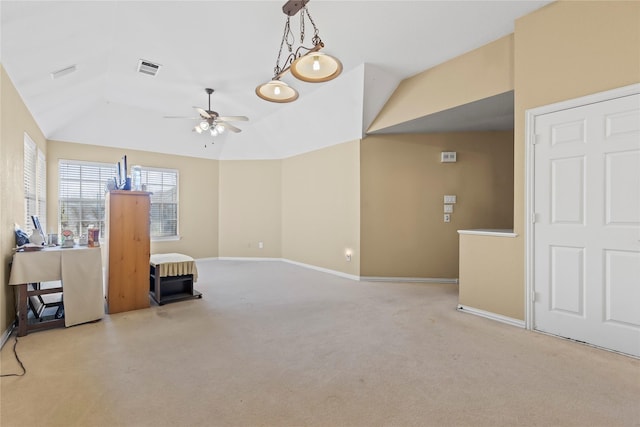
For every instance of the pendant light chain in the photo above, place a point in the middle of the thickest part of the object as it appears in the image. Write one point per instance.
(286, 35)
(316, 37)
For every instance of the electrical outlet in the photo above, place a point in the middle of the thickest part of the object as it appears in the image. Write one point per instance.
(447, 217)
(260, 245)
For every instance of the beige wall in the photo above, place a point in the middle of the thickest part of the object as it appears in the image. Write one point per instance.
(197, 192)
(488, 282)
(567, 50)
(15, 120)
(562, 51)
(402, 187)
(250, 208)
(479, 74)
(321, 207)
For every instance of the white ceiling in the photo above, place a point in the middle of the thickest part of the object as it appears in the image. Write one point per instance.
(230, 46)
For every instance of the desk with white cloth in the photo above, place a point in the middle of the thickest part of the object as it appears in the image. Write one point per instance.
(80, 271)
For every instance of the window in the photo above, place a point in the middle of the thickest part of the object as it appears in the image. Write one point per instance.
(163, 184)
(82, 190)
(35, 184)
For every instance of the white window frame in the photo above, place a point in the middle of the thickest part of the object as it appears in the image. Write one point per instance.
(35, 184)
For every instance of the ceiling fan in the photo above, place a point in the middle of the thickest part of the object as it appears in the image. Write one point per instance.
(210, 121)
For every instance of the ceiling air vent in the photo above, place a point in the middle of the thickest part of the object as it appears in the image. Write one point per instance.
(147, 67)
(63, 72)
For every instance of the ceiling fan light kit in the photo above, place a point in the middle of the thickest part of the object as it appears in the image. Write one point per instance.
(211, 122)
(305, 63)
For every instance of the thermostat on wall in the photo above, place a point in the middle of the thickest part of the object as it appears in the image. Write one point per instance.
(448, 157)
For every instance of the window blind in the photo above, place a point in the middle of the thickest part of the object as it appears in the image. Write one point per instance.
(30, 159)
(163, 184)
(41, 192)
(82, 190)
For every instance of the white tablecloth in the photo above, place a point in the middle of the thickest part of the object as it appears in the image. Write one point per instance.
(79, 268)
(174, 265)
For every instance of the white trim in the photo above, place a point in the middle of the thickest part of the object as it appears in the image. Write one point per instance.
(6, 334)
(324, 270)
(530, 137)
(206, 259)
(493, 316)
(409, 279)
(489, 232)
(337, 273)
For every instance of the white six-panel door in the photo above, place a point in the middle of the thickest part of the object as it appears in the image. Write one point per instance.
(586, 231)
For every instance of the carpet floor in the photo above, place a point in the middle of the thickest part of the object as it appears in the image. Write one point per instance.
(275, 344)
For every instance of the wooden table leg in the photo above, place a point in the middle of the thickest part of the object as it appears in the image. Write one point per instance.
(23, 310)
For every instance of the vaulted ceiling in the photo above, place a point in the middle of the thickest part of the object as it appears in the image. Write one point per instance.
(230, 46)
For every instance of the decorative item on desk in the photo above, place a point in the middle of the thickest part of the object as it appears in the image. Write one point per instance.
(83, 240)
(21, 236)
(93, 235)
(36, 238)
(53, 239)
(67, 239)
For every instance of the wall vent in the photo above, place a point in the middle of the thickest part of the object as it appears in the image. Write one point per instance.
(148, 67)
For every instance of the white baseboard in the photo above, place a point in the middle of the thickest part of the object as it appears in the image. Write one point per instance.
(6, 334)
(409, 279)
(206, 259)
(338, 273)
(493, 316)
(324, 270)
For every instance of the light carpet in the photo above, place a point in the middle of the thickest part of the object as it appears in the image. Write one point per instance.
(275, 344)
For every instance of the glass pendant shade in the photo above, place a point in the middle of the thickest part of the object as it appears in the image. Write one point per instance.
(204, 125)
(316, 67)
(276, 91)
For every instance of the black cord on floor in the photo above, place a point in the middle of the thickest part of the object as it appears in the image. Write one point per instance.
(15, 352)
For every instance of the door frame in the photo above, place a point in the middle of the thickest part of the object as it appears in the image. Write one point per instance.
(530, 138)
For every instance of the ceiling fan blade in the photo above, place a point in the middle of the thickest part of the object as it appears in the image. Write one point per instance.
(180, 117)
(229, 126)
(234, 118)
(203, 112)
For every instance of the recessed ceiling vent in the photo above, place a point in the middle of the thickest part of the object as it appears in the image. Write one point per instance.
(148, 67)
(63, 72)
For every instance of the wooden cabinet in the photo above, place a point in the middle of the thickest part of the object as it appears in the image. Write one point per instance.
(128, 250)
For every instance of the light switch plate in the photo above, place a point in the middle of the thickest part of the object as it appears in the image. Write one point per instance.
(448, 208)
(449, 199)
(448, 157)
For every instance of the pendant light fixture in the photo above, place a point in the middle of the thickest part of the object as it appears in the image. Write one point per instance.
(305, 63)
